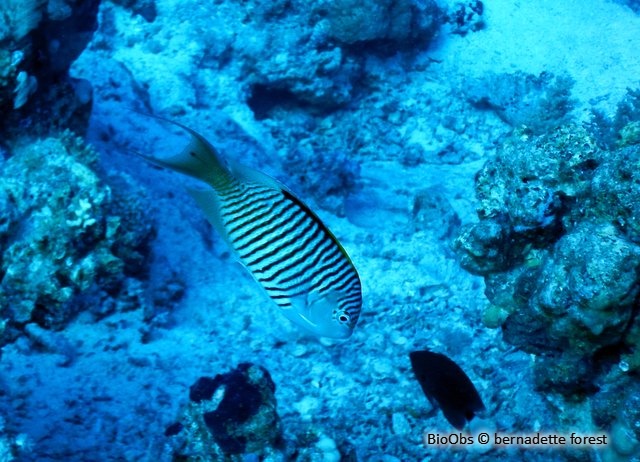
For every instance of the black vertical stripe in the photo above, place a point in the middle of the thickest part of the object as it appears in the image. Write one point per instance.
(286, 244)
(275, 231)
(252, 223)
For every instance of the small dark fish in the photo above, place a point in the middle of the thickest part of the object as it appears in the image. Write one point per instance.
(446, 386)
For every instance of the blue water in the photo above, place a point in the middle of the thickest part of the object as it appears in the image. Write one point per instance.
(117, 295)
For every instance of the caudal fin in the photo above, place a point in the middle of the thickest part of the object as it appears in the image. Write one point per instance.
(199, 159)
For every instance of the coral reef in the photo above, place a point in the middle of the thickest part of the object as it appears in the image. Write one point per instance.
(539, 103)
(466, 17)
(38, 42)
(623, 129)
(309, 71)
(229, 415)
(526, 195)
(290, 55)
(64, 232)
(380, 22)
(320, 68)
(559, 246)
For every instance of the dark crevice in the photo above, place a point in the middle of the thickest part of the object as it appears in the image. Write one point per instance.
(264, 99)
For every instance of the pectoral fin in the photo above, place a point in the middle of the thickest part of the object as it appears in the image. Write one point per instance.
(298, 312)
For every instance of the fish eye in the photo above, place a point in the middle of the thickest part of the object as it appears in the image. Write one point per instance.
(344, 318)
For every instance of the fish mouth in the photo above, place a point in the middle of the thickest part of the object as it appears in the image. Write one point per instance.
(318, 323)
(326, 329)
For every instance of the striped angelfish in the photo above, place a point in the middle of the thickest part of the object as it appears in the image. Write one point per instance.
(283, 244)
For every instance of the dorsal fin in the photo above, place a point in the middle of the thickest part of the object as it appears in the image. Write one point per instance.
(251, 175)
